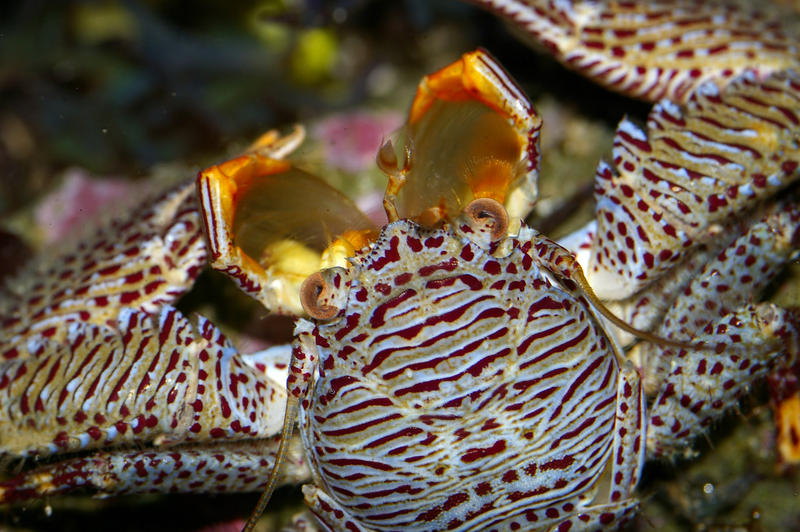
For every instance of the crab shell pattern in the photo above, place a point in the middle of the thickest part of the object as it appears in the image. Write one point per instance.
(457, 365)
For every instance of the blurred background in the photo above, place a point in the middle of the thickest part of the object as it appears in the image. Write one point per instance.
(103, 101)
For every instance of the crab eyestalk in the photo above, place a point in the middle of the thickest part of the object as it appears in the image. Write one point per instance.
(322, 299)
(318, 296)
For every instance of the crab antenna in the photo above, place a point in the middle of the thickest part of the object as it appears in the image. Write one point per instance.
(388, 164)
(286, 435)
(578, 276)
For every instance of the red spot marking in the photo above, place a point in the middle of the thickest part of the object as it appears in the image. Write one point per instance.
(434, 242)
(151, 287)
(483, 488)
(126, 298)
(492, 267)
(110, 270)
(447, 266)
(716, 202)
(558, 463)
(138, 424)
(134, 278)
(414, 244)
(474, 454)
(390, 255)
(455, 500)
(403, 278)
(510, 476)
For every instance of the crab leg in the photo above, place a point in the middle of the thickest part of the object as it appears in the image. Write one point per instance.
(746, 341)
(206, 468)
(143, 261)
(168, 384)
(657, 49)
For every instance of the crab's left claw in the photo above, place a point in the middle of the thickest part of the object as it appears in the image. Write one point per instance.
(270, 225)
(471, 133)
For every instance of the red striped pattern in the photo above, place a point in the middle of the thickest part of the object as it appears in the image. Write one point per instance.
(457, 395)
(143, 260)
(656, 49)
(144, 380)
(696, 166)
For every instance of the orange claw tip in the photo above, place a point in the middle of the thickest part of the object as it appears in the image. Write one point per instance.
(788, 422)
(476, 76)
(471, 133)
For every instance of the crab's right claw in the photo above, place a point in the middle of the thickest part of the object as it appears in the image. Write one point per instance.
(270, 225)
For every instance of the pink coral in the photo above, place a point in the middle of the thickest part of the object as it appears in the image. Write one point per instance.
(80, 198)
(351, 140)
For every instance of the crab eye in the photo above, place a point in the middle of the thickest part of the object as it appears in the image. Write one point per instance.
(486, 214)
(315, 295)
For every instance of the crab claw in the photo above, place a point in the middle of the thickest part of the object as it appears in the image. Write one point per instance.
(471, 133)
(270, 225)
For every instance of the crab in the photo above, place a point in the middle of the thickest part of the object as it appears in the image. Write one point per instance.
(541, 419)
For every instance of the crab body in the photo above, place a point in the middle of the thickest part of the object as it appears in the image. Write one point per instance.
(451, 375)
(504, 385)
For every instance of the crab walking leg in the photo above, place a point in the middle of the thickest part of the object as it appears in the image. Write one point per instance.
(630, 427)
(746, 341)
(703, 385)
(301, 522)
(627, 460)
(166, 382)
(329, 513)
(695, 168)
(657, 49)
(214, 468)
(141, 261)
